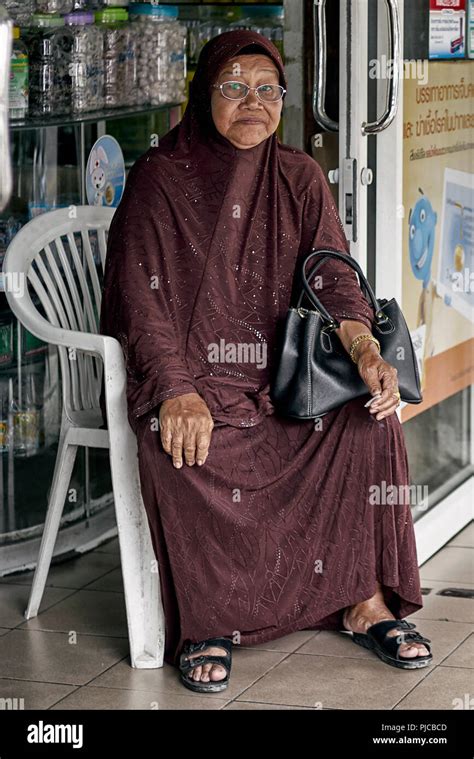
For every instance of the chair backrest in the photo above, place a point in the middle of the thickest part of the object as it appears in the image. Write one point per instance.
(59, 256)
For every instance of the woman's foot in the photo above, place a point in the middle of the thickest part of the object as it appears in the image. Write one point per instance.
(361, 616)
(208, 672)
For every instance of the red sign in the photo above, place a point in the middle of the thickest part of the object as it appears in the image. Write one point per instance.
(441, 5)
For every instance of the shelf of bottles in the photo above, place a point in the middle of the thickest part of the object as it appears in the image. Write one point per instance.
(49, 162)
(75, 57)
(67, 89)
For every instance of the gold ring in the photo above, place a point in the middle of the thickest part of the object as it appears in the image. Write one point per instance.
(397, 395)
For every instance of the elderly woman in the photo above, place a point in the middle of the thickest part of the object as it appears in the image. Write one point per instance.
(262, 525)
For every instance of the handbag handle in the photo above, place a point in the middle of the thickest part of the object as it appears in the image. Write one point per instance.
(380, 317)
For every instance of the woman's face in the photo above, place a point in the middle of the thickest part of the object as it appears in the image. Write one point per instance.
(245, 123)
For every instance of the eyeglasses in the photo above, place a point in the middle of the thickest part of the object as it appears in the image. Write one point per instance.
(267, 93)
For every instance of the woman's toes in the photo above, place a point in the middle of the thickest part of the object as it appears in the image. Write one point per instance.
(210, 671)
(423, 651)
(197, 673)
(206, 672)
(217, 672)
(409, 652)
(413, 651)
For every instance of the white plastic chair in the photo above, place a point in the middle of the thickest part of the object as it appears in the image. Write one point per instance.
(53, 254)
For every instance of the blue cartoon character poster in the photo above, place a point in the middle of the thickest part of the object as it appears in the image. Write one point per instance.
(422, 223)
(105, 173)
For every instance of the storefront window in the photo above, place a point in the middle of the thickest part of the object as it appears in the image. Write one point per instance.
(438, 448)
(438, 252)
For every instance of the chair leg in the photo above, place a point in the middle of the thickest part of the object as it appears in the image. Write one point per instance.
(145, 616)
(61, 479)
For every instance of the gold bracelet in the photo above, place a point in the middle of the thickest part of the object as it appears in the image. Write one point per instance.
(360, 339)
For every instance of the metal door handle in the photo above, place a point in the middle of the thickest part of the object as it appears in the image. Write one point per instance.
(393, 90)
(320, 61)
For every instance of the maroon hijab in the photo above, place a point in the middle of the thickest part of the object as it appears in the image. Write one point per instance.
(201, 253)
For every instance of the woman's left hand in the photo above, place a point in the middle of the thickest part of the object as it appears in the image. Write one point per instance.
(380, 377)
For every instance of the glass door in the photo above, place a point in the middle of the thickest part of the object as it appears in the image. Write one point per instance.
(425, 256)
(391, 128)
(347, 116)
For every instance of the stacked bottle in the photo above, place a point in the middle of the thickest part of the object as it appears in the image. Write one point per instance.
(114, 3)
(49, 44)
(119, 57)
(264, 19)
(161, 53)
(54, 6)
(18, 85)
(87, 62)
(87, 5)
(20, 11)
(83, 59)
(213, 20)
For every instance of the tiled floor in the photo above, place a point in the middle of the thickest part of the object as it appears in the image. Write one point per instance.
(74, 654)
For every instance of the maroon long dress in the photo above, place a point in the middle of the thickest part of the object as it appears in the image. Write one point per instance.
(276, 532)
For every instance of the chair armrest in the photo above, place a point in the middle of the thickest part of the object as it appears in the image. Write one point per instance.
(87, 342)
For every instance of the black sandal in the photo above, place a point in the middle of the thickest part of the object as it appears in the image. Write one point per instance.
(186, 665)
(387, 646)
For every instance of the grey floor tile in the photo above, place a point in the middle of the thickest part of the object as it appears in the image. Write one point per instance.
(112, 581)
(445, 608)
(253, 706)
(24, 694)
(451, 564)
(73, 573)
(332, 682)
(51, 657)
(287, 644)
(329, 643)
(465, 537)
(91, 697)
(437, 584)
(444, 688)
(325, 672)
(14, 600)
(111, 546)
(95, 612)
(445, 636)
(463, 656)
(247, 667)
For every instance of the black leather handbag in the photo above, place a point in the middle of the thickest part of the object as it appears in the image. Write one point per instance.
(315, 374)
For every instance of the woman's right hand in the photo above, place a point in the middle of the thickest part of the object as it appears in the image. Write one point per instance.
(186, 425)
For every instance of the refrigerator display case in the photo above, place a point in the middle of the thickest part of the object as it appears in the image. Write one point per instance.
(48, 158)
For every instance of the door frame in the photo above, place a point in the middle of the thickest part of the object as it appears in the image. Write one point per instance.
(440, 523)
(452, 513)
(353, 111)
